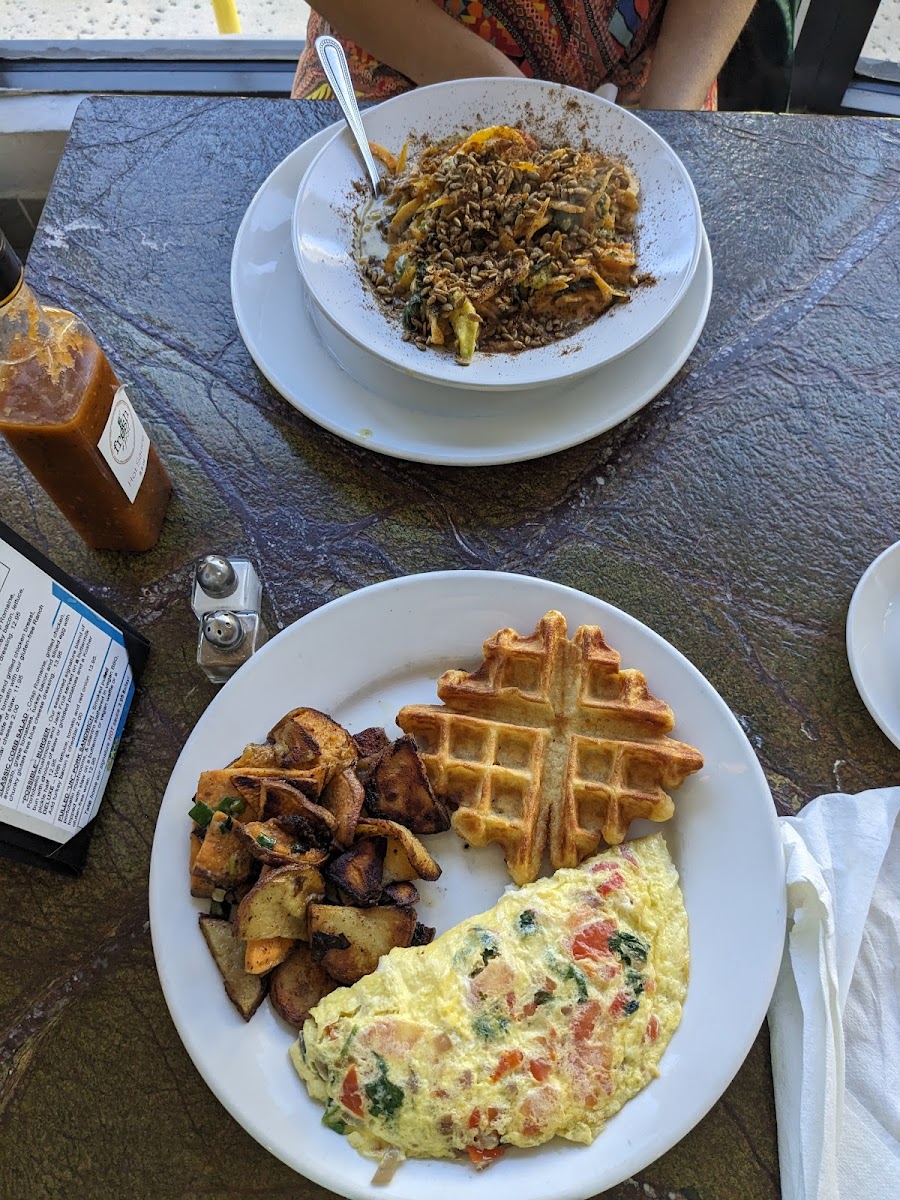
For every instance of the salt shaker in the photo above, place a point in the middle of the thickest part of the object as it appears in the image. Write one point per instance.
(227, 640)
(226, 600)
(225, 583)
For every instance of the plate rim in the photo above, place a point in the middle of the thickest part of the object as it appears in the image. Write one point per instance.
(857, 671)
(573, 435)
(548, 87)
(676, 1130)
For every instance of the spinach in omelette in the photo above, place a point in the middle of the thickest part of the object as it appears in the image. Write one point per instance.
(539, 1018)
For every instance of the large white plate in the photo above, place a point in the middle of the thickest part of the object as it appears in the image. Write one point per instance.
(380, 408)
(668, 229)
(361, 658)
(873, 641)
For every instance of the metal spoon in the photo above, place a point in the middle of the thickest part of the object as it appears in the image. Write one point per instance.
(334, 64)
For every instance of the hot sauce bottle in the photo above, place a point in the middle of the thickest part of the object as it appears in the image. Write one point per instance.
(67, 417)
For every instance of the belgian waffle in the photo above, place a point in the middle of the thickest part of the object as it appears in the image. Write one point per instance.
(549, 747)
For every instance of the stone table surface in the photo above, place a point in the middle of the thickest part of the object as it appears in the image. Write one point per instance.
(734, 515)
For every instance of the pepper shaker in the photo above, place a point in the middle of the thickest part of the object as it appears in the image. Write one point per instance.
(227, 640)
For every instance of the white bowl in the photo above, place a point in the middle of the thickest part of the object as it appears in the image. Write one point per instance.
(335, 188)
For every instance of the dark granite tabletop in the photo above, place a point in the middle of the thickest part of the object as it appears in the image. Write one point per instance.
(734, 515)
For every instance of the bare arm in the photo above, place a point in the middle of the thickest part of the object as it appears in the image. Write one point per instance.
(694, 41)
(415, 37)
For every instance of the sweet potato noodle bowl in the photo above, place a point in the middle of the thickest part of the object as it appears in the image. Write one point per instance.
(515, 213)
(497, 243)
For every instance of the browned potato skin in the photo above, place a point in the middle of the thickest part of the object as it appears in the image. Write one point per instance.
(282, 853)
(298, 985)
(358, 872)
(201, 889)
(279, 799)
(336, 748)
(215, 786)
(422, 934)
(292, 745)
(400, 893)
(245, 991)
(418, 857)
(344, 797)
(277, 905)
(398, 790)
(349, 941)
(371, 741)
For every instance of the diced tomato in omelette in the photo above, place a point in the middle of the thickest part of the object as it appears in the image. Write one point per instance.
(539, 1018)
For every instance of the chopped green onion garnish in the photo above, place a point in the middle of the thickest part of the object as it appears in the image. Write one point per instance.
(231, 805)
(201, 813)
(267, 843)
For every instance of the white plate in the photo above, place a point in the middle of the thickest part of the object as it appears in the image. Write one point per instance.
(361, 658)
(873, 641)
(406, 418)
(335, 189)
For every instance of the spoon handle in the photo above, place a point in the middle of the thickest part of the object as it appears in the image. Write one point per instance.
(334, 64)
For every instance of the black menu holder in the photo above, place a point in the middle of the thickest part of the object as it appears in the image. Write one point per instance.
(25, 845)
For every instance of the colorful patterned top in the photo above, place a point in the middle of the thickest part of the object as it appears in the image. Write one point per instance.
(579, 42)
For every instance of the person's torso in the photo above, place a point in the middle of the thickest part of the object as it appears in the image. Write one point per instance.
(583, 43)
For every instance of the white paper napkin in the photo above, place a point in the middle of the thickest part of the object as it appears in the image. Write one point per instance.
(835, 1015)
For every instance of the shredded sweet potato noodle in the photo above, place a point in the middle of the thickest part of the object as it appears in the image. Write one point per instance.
(496, 242)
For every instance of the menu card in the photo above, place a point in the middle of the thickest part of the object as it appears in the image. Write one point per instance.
(68, 669)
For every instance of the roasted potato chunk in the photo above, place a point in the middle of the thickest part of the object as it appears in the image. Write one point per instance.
(202, 889)
(420, 861)
(318, 885)
(276, 906)
(246, 783)
(422, 934)
(371, 741)
(264, 954)
(293, 746)
(215, 786)
(298, 985)
(311, 823)
(398, 790)
(245, 991)
(358, 872)
(256, 754)
(222, 859)
(397, 867)
(278, 843)
(304, 729)
(253, 787)
(349, 941)
(400, 893)
(343, 797)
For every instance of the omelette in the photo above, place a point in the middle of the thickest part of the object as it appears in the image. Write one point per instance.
(538, 1018)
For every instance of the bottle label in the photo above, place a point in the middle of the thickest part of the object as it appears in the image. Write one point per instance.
(125, 445)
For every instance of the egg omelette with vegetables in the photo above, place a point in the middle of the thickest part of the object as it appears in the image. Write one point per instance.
(538, 1018)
